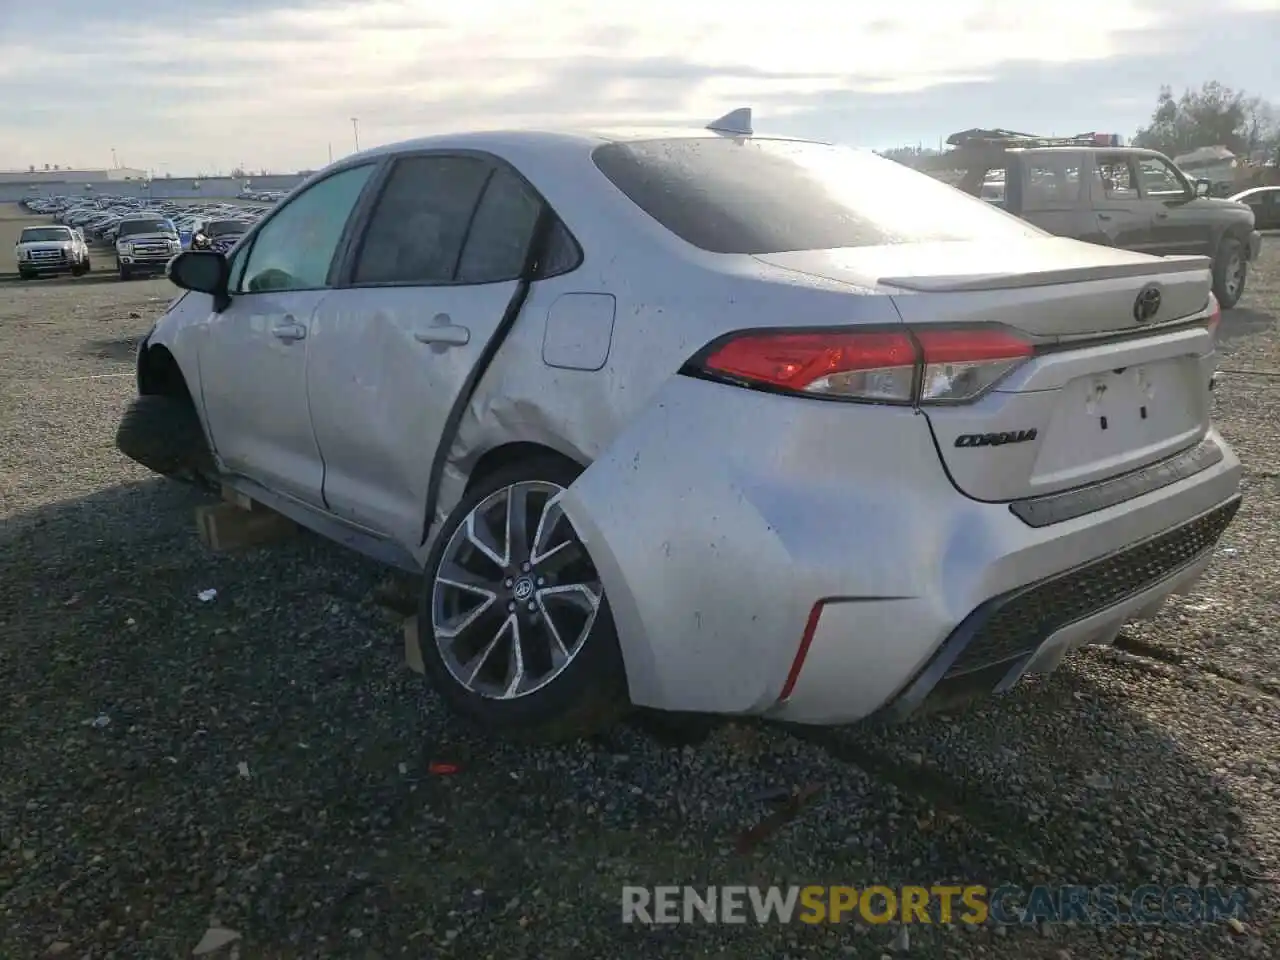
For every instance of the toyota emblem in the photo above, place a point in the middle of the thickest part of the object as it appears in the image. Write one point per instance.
(1147, 305)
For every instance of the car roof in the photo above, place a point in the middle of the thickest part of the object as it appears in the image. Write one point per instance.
(550, 140)
(1252, 190)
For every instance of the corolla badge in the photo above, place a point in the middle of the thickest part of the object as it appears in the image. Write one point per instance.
(1147, 305)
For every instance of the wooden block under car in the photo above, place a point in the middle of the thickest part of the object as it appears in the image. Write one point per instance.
(241, 500)
(228, 526)
(412, 650)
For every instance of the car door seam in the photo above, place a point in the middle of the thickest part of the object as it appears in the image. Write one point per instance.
(533, 257)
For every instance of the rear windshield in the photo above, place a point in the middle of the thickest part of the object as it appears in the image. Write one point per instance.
(771, 196)
(44, 234)
(130, 227)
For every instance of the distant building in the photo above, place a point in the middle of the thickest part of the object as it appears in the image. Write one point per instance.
(42, 177)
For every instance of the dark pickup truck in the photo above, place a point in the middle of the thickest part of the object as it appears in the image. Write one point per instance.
(1118, 196)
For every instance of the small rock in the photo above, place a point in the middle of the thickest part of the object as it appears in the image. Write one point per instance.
(214, 939)
(902, 942)
(1236, 926)
(58, 948)
(1097, 781)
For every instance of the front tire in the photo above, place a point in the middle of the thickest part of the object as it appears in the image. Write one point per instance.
(1230, 272)
(163, 433)
(515, 630)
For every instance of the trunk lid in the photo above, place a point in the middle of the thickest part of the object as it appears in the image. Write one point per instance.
(1111, 389)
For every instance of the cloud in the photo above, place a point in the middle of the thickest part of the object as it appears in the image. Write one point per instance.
(211, 85)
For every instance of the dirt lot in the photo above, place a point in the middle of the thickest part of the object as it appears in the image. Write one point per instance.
(262, 762)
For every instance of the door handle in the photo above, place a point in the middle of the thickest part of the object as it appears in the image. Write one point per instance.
(289, 331)
(443, 333)
(1104, 216)
(1162, 216)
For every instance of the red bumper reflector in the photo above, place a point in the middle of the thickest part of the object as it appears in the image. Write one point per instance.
(810, 628)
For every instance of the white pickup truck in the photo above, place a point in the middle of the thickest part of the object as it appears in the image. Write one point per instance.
(46, 251)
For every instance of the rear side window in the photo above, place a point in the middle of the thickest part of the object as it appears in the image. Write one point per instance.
(769, 196)
(503, 229)
(417, 230)
(1052, 181)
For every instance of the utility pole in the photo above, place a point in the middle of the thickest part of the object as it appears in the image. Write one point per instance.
(331, 152)
(355, 129)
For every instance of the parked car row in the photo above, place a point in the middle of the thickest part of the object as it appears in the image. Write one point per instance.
(262, 196)
(145, 234)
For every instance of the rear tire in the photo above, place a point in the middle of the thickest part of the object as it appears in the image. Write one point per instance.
(1230, 272)
(163, 433)
(582, 695)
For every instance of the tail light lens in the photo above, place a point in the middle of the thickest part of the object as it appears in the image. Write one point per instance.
(1215, 316)
(900, 366)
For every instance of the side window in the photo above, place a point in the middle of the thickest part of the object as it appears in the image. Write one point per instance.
(1052, 182)
(295, 248)
(421, 221)
(501, 230)
(1113, 177)
(563, 253)
(1158, 179)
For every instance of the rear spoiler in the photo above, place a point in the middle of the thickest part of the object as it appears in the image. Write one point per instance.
(1159, 266)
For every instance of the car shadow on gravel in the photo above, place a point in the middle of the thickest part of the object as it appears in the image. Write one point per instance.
(121, 349)
(1243, 322)
(260, 755)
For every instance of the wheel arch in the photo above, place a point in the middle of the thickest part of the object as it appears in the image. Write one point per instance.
(160, 373)
(1239, 232)
(505, 454)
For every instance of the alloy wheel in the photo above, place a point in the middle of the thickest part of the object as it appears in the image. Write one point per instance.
(515, 595)
(1235, 275)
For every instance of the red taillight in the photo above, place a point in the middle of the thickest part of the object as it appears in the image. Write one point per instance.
(903, 365)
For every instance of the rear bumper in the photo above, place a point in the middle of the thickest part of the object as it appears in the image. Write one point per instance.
(1031, 628)
(721, 517)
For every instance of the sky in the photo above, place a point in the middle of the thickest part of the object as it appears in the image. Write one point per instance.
(185, 87)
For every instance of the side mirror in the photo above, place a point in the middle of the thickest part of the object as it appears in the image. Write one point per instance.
(203, 272)
(1202, 187)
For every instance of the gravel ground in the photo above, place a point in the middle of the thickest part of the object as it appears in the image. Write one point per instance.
(263, 762)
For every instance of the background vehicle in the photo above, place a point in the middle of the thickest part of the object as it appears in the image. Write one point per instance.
(144, 245)
(47, 251)
(704, 422)
(1115, 196)
(1265, 204)
(217, 234)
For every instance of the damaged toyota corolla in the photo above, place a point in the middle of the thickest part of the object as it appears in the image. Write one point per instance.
(702, 421)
